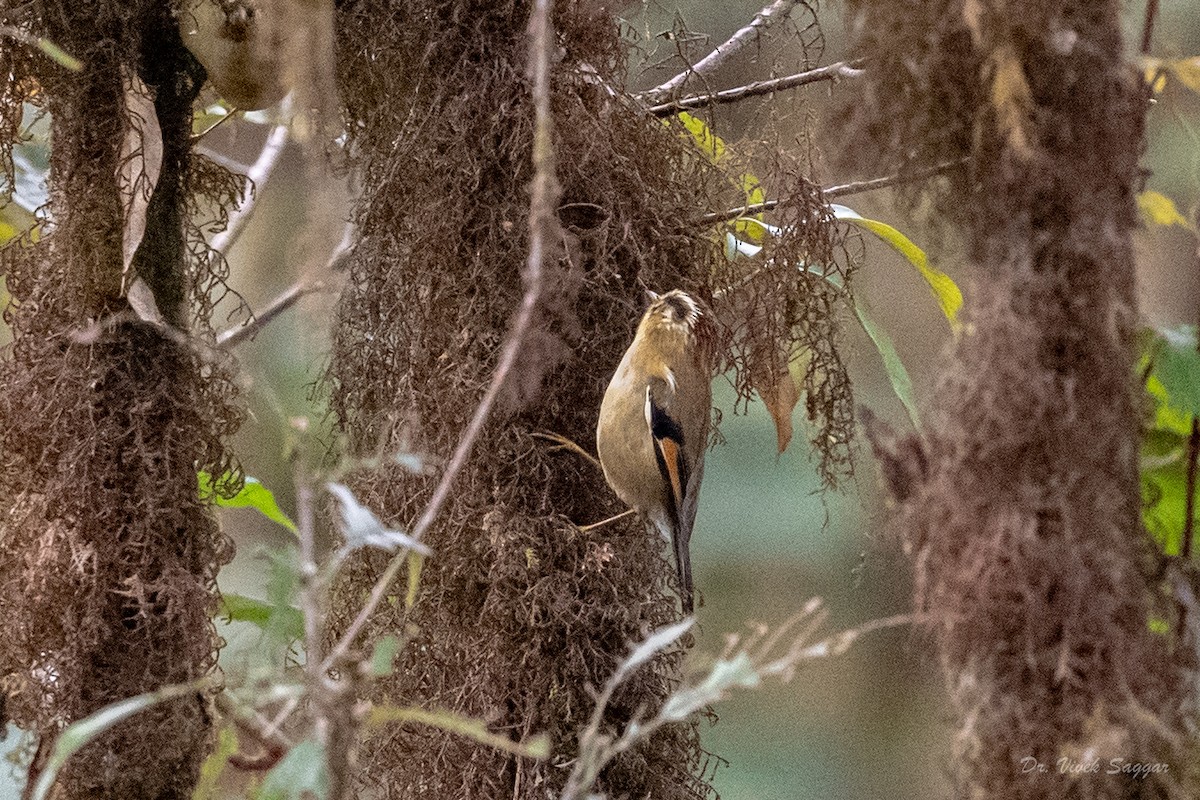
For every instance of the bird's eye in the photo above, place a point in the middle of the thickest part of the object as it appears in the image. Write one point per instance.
(678, 306)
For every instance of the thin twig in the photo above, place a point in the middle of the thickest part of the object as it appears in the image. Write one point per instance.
(842, 69)
(256, 178)
(543, 201)
(250, 328)
(563, 443)
(857, 187)
(839, 190)
(777, 10)
(48, 47)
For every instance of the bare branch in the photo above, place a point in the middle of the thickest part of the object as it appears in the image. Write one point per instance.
(776, 11)
(842, 69)
(544, 199)
(234, 336)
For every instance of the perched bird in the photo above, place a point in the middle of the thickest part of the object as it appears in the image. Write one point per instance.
(653, 427)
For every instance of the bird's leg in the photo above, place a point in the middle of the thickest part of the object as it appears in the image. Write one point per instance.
(563, 443)
(602, 522)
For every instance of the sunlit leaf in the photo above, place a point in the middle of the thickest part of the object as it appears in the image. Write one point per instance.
(896, 372)
(253, 495)
(1158, 209)
(534, 747)
(77, 735)
(303, 774)
(1164, 499)
(948, 295)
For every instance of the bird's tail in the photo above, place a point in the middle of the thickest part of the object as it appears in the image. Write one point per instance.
(683, 564)
(679, 536)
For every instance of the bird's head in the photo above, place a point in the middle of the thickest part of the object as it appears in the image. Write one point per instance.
(675, 310)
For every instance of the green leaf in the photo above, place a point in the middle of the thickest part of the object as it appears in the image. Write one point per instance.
(1164, 499)
(303, 774)
(253, 495)
(1167, 417)
(1158, 209)
(383, 658)
(948, 295)
(1177, 366)
(897, 374)
(79, 734)
(534, 747)
(287, 619)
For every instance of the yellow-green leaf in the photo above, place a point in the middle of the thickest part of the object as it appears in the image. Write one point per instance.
(262, 613)
(1158, 209)
(214, 766)
(715, 149)
(948, 295)
(416, 562)
(62, 57)
(1187, 70)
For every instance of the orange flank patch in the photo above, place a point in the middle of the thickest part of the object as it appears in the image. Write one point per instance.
(670, 451)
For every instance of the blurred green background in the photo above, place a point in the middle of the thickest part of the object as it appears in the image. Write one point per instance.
(871, 723)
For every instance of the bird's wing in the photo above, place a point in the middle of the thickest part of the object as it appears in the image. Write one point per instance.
(667, 436)
(671, 455)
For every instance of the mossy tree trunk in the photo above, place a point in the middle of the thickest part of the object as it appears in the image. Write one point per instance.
(1024, 522)
(108, 556)
(519, 612)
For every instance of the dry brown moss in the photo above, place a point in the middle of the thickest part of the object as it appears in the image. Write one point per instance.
(107, 555)
(1026, 532)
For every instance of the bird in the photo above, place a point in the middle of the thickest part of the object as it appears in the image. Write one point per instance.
(653, 426)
